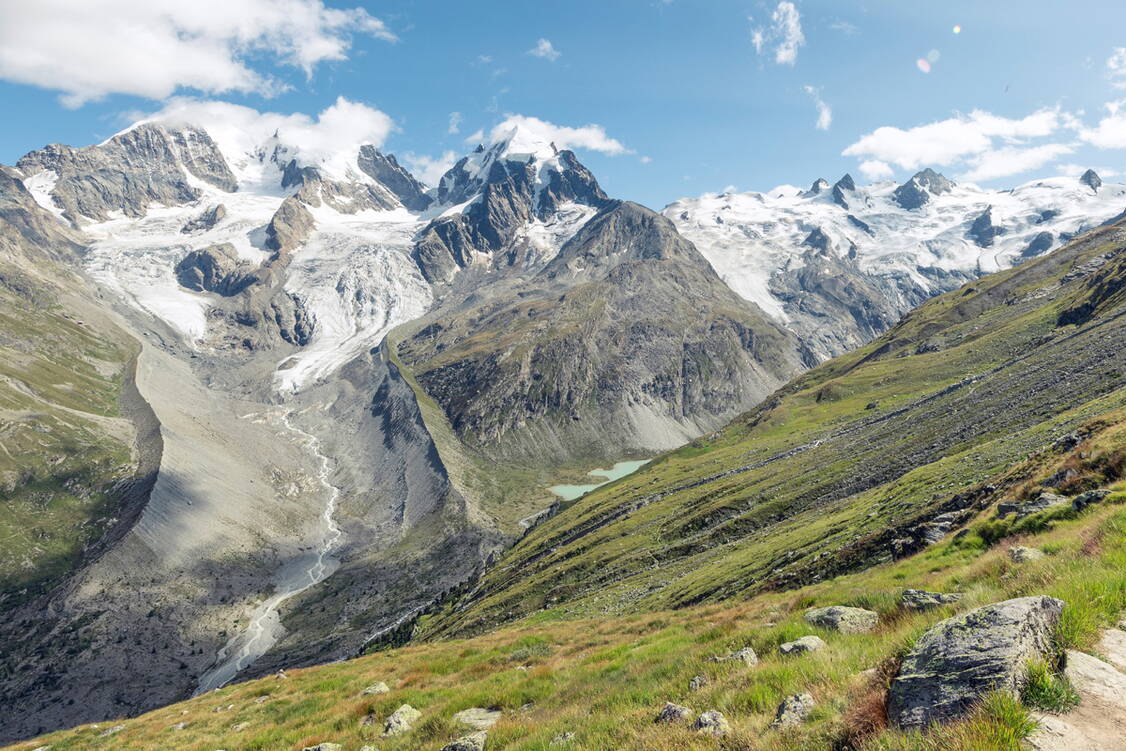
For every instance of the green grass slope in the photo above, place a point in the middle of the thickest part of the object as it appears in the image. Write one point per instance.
(845, 466)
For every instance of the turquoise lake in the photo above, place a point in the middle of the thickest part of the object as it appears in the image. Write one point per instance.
(621, 469)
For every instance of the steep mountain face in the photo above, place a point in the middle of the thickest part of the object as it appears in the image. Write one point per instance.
(839, 265)
(625, 340)
(869, 457)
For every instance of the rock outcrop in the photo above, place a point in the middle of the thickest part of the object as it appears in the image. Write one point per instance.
(205, 221)
(793, 710)
(471, 742)
(920, 600)
(712, 723)
(401, 720)
(386, 169)
(216, 268)
(803, 645)
(674, 713)
(958, 661)
(917, 192)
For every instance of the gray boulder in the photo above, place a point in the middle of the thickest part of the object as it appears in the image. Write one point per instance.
(1021, 554)
(712, 723)
(674, 713)
(844, 619)
(401, 720)
(800, 646)
(478, 717)
(746, 655)
(793, 710)
(1083, 500)
(375, 688)
(471, 742)
(324, 747)
(920, 599)
(963, 658)
(697, 682)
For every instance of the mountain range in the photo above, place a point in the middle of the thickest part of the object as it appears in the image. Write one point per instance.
(265, 405)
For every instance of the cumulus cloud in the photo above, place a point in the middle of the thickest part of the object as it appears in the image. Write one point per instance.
(1076, 170)
(429, 169)
(534, 134)
(987, 146)
(1116, 68)
(330, 140)
(545, 49)
(455, 123)
(824, 111)
(783, 34)
(1110, 132)
(94, 48)
(1013, 160)
(874, 169)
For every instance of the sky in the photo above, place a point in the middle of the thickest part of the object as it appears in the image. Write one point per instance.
(660, 98)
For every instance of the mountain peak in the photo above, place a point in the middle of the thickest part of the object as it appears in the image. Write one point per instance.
(917, 191)
(820, 185)
(1092, 180)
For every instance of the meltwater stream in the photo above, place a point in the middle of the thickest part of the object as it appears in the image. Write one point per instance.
(265, 627)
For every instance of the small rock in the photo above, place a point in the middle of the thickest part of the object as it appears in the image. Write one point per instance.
(801, 646)
(240, 727)
(324, 747)
(179, 726)
(111, 731)
(41, 748)
(262, 699)
(471, 742)
(961, 659)
(368, 748)
(369, 720)
(793, 710)
(920, 599)
(674, 713)
(375, 688)
(697, 683)
(746, 655)
(846, 620)
(280, 675)
(401, 720)
(563, 738)
(477, 718)
(712, 723)
(1021, 554)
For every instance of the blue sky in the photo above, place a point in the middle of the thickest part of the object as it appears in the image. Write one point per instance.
(679, 84)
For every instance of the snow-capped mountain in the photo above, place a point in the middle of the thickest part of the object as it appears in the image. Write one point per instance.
(840, 263)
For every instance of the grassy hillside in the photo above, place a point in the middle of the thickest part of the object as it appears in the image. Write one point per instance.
(65, 449)
(604, 679)
(847, 465)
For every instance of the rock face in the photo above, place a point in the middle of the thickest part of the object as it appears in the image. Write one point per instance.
(1021, 554)
(1091, 179)
(802, 646)
(1083, 500)
(625, 339)
(215, 269)
(793, 710)
(917, 192)
(1028, 507)
(843, 619)
(961, 659)
(712, 723)
(674, 713)
(385, 168)
(205, 221)
(983, 231)
(1099, 722)
(146, 164)
(919, 599)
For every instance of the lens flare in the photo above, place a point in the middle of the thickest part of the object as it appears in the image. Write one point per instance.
(924, 65)
(932, 56)
(957, 29)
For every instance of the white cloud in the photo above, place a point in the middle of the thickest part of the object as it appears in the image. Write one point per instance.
(1076, 170)
(784, 33)
(846, 28)
(1110, 133)
(94, 48)
(645, 159)
(824, 111)
(1116, 68)
(455, 123)
(532, 133)
(331, 140)
(954, 140)
(476, 137)
(545, 49)
(874, 169)
(1013, 160)
(429, 169)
